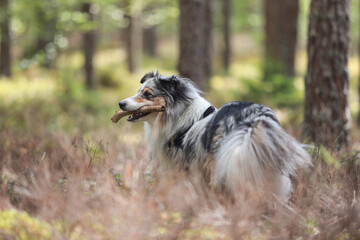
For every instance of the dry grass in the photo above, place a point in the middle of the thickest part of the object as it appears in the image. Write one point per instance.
(65, 173)
(101, 189)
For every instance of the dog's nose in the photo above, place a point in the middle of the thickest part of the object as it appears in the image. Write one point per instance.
(122, 104)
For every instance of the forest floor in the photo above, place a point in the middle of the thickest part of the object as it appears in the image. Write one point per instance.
(67, 172)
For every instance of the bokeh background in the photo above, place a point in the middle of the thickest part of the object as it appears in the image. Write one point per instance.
(68, 172)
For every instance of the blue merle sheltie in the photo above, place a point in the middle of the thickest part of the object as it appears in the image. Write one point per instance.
(239, 144)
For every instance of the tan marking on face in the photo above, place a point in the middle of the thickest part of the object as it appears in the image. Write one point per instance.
(142, 100)
(159, 101)
(146, 90)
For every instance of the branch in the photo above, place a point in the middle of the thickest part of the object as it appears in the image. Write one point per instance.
(120, 114)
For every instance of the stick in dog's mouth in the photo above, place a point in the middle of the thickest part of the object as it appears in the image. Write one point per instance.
(137, 113)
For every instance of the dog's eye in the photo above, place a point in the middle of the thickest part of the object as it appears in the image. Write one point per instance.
(147, 94)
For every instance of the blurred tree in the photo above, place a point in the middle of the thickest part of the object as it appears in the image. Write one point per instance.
(226, 28)
(150, 34)
(133, 43)
(327, 114)
(89, 45)
(143, 19)
(281, 20)
(358, 117)
(39, 20)
(5, 43)
(46, 18)
(150, 41)
(195, 60)
(208, 37)
(133, 34)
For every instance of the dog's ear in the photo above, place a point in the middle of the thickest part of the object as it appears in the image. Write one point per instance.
(147, 76)
(170, 83)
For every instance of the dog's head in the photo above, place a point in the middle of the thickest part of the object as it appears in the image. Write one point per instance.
(172, 92)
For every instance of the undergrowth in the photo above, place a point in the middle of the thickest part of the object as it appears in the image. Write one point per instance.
(56, 186)
(66, 172)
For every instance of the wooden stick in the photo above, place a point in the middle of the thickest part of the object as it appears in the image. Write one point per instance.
(120, 114)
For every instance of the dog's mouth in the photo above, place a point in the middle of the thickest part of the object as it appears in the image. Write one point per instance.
(137, 116)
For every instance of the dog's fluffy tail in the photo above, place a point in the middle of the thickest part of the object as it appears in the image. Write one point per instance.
(259, 152)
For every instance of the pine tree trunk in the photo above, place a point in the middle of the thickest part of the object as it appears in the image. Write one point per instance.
(327, 114)
(89, 45)
(133, 38)
(208, 41)
(150, 41)
(281, 18)
(5, 42)
(226, 29)
(46, 32)
(195, 58)
(358, 117)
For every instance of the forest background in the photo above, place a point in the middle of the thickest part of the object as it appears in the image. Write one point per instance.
(67, 172)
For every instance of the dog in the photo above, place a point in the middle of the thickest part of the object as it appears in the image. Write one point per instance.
(240, 144)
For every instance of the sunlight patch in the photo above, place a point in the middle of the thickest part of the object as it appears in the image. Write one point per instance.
(14, 91)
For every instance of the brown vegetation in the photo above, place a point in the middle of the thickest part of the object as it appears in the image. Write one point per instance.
(108, 190)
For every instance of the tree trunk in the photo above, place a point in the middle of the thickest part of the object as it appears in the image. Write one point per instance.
(5, 43)
(281, 19)
(327, 114)
(133, 34)
(226, 29)
(150, 41)
(89, 45)
(358, 117)
(195, 58)
(46, 32)
(208, 41)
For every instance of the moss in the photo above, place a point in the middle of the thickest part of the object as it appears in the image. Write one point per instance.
(22, 226)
